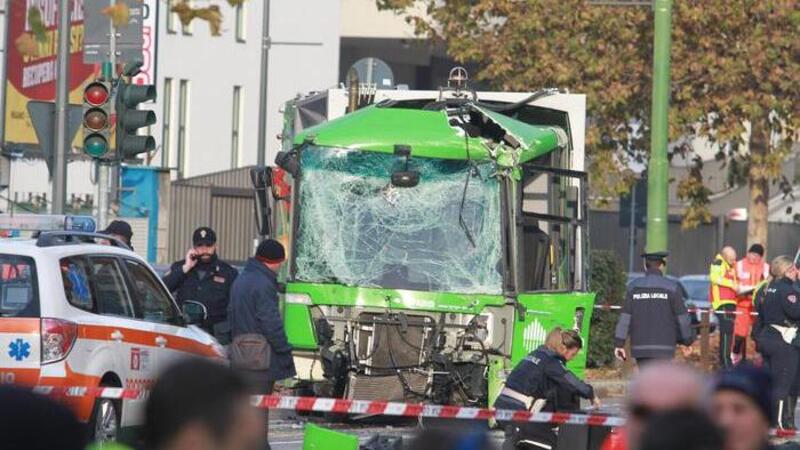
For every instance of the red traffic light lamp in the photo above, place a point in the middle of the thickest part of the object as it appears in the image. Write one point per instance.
(96, 94)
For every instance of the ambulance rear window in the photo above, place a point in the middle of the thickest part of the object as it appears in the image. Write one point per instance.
(19, 293)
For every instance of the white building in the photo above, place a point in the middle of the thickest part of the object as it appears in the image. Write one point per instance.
(209, 86)
(208, 89)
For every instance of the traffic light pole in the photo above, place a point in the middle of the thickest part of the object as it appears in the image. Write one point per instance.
(103, 169)
(61, 143)
(658, 169)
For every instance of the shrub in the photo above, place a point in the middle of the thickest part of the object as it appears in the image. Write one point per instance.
(608, 282)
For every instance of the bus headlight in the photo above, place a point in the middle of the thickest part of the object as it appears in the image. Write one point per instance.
(298, 299)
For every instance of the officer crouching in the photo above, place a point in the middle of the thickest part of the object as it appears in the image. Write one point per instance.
(536, 384)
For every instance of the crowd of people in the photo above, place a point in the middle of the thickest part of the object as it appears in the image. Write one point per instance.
(668, 405)
(655, 318)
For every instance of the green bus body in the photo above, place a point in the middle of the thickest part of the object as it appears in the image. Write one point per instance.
(330, 284)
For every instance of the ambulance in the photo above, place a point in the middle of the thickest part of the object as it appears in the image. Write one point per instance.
(79, 309)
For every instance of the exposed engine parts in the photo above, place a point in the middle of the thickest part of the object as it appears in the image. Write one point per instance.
(396, 356)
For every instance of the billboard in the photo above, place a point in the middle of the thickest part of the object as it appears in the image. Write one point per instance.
(31, 74)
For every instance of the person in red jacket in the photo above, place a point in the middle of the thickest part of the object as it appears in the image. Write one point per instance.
(750, 271)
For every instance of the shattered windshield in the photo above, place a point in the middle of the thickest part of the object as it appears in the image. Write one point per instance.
(355, 228)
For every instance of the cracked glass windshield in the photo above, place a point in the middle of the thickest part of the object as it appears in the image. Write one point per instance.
(356, 228)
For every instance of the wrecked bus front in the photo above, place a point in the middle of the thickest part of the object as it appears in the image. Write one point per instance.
(422, 264)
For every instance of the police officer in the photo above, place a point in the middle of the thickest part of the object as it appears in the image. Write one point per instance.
(654, 315)
(780, 312)
(121, 230)
(535, 385)
(204, 278)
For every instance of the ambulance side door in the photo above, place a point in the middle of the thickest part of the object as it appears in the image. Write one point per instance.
(134, 340)
(156, 307)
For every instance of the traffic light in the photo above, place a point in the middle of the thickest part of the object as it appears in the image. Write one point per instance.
(97, 111)
(130, 119)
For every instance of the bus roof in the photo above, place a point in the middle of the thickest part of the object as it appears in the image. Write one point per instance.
(379, 128)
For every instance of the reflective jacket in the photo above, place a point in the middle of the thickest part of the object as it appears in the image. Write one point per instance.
(722, 276)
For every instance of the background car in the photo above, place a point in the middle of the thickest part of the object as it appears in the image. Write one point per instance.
(697, 287)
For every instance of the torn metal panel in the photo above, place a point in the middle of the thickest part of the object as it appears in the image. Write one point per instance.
(438, 134)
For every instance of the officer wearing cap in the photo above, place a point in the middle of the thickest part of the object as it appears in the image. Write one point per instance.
(204, 278)
(120, 230)
(654, 315)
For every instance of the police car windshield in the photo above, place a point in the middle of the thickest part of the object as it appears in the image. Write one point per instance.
(19, 294)
(356, 228)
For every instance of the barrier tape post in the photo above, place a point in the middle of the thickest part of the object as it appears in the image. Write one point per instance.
(705, 344)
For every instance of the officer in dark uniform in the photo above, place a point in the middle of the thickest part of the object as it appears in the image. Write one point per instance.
(537, 383)
(654, 315)
(204, 278)
(779, 318)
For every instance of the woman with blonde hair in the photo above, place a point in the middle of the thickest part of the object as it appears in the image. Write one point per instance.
(534, 383)
(777, 340)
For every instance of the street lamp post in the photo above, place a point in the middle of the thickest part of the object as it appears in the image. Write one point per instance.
(658, 169)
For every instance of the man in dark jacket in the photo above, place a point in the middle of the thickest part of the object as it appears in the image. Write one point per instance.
(204, 278)
(254, 310)
(654, 315)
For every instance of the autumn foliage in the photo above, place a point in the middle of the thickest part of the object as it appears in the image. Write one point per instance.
(735, 68)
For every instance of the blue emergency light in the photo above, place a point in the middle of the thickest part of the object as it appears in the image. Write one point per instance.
(12, 224)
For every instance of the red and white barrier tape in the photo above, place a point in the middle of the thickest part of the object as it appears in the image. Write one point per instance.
(379, 408)
(363, 407)
(371, 407)
(689, 310)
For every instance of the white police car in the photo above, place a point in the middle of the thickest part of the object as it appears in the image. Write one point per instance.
(74, 312)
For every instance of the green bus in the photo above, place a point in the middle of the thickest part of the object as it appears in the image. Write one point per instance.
(433, 237)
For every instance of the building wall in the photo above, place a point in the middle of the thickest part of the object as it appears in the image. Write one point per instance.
(214, 65)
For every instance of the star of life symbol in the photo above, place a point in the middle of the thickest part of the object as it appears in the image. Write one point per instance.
(19, 349)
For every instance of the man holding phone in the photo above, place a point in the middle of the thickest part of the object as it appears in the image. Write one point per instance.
(204, 278)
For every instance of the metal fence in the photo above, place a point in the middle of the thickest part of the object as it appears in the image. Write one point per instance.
(691, 251)
(223, 201)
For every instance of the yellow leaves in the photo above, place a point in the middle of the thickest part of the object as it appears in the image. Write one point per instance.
(26, 45)
(185, 13)
(119, 13)
(695, 194)
(235, 3)
(36, 23)
(210, 14)
(213, 16)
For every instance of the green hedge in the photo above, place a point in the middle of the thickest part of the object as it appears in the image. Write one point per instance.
(608, 281)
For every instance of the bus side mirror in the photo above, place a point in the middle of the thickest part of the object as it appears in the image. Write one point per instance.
(261, 177)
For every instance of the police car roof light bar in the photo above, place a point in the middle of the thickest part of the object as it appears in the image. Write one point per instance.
(54, 238)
